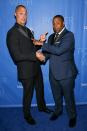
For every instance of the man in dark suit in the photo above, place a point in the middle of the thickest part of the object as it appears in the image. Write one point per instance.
(62, 69)
(23, 53)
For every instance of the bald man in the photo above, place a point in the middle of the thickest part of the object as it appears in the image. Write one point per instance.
(23, 53)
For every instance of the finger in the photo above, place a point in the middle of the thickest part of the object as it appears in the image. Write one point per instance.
(46, 33)
(32, 39)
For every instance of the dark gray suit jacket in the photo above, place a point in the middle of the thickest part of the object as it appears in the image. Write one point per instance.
(61, 55)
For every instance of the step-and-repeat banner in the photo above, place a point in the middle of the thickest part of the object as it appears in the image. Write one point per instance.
(40, 14)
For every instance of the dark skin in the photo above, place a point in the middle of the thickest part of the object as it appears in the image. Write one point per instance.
(58, 24)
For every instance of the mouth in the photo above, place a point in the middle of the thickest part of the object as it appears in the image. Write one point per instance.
(23, 20)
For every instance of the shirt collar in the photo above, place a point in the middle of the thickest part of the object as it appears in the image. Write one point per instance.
(62, 30)
(18, 25)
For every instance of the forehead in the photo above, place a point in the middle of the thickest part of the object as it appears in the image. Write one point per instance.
(57, 19)
(21, 9)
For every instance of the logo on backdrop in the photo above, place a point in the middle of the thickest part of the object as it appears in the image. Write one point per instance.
(16, 2)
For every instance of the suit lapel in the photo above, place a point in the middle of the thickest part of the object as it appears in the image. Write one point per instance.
(23, 32)
(62, 34)
(51, 40)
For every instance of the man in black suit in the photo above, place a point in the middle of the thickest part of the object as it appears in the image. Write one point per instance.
(23, 53)
(62, 69)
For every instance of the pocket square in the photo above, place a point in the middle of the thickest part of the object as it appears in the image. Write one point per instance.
(58, 42)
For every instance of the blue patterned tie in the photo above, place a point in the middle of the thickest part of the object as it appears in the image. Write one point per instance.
(56, 37)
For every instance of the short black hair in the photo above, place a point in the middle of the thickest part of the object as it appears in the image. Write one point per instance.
(18, 6)
(59, 16)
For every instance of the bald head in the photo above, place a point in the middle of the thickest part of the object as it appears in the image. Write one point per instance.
(21, 14)
(19, 6)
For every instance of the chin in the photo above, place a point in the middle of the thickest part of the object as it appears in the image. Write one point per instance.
(56, 31)
(23, 23)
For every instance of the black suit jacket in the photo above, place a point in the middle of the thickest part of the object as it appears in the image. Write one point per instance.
(23, 51)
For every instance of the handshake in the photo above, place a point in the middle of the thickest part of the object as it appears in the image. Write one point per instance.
(40, 56)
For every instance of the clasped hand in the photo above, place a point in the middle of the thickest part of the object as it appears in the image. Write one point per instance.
(40, 56)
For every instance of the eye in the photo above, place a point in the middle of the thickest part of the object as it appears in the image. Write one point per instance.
(21, 13)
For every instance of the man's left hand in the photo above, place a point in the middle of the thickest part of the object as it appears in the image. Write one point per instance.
(40, 56)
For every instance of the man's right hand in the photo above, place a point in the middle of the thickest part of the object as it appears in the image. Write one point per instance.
(37, 42)
(41, 40)
(43, 37)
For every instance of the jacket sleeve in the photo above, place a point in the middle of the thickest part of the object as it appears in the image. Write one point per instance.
(13, 47)
(67, 44)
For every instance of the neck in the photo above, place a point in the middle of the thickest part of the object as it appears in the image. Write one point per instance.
(20, 23)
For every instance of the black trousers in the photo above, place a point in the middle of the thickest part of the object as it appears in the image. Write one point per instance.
(28, 90)
(64, 88)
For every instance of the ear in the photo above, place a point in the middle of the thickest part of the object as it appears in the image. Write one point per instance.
(15, 14)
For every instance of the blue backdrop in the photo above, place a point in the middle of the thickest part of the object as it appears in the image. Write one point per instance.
(40, 14)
